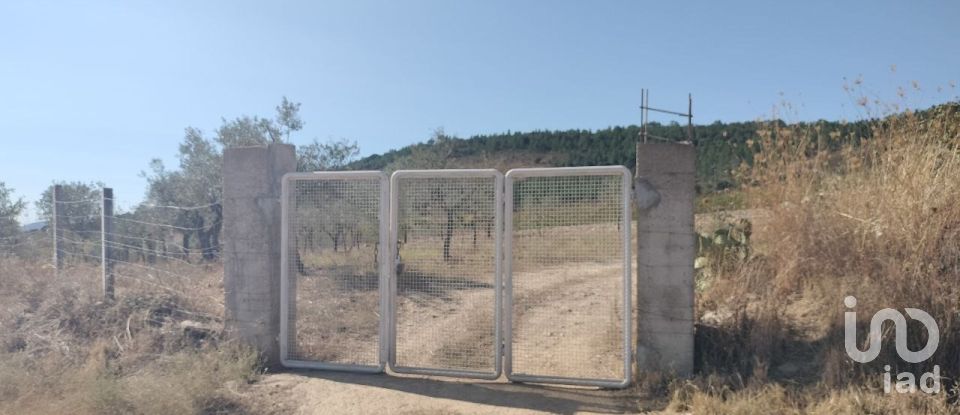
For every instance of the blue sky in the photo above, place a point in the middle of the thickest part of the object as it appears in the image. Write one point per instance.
(94, 90)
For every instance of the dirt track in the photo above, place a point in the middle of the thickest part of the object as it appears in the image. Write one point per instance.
(567, 321)
(566, 324)
(346, 393)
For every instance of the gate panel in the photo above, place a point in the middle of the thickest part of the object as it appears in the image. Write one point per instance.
(333, 270)
(446, 230)
(567, 271)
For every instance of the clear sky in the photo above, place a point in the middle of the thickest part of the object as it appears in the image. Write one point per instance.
(94, 90)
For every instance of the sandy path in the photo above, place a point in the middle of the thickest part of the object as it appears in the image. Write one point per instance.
(568, 321)
(559, 320)
(346, 393)
(456, 331)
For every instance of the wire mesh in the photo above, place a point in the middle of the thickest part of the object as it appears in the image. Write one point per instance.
(446, 299)
(568, 275)
(334, 229)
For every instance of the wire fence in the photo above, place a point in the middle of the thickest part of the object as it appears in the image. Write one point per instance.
(156, 248)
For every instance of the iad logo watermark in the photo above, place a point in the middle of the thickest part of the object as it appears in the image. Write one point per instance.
(906, 381)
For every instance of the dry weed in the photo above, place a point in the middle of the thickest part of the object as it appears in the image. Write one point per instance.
(66, 351)
(875, 217)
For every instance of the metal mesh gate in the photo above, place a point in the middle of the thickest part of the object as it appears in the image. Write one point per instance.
(333, 267)
(446, 229)
(416, 282)
(568, 275)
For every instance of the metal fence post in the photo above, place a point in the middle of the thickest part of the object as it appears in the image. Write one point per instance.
(57, 217)
(106, 242)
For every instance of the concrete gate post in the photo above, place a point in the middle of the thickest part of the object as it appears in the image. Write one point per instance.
(251, 244)
(666, 249)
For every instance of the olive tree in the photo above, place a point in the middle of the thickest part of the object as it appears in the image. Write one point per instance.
(196, 185)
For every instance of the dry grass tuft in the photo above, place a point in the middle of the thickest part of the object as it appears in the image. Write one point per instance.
(773, 398)
(877, 218)
(65, 351)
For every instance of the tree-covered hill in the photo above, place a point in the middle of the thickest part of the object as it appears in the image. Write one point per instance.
(721, 147)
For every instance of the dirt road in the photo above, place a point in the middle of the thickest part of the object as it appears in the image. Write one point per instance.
(345, 393)
(566, 324)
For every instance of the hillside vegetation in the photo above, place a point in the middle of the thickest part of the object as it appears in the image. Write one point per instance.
(721, 148)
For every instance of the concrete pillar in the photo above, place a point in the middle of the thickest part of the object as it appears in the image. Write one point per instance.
(251, 243)
(666, 249)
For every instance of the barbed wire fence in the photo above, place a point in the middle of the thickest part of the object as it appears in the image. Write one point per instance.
(133, 251)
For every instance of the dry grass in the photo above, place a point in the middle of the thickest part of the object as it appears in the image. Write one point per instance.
(878, 219)
(711, 395)
(65, 351)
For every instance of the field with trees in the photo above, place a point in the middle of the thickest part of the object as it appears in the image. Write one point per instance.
(868, 208)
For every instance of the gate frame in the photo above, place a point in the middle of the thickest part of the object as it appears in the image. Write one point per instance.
(498, 270)
(627, 181)
(385, 260)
